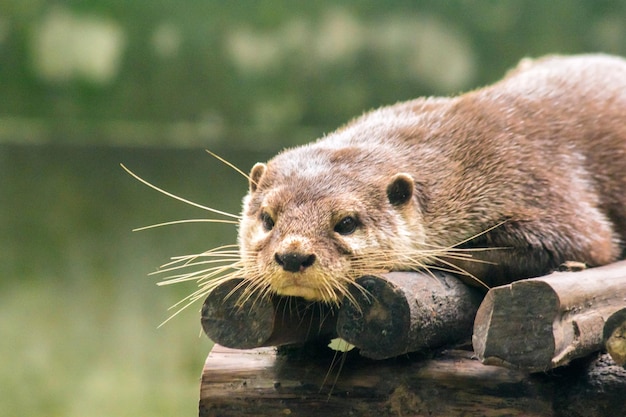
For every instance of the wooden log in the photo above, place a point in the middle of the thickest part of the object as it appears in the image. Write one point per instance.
(402, 312)
(262, 383)
(542, 323)
(614, 336)
(249, 322)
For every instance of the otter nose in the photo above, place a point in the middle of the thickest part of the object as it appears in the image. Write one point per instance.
(294, 261)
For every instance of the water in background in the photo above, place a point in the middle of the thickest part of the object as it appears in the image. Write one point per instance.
(78, 313)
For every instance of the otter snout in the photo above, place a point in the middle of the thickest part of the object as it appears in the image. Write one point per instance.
(294, 261)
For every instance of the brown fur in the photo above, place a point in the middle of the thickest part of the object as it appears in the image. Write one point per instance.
(534, 166)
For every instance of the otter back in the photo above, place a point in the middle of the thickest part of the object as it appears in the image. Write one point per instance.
(501, 183)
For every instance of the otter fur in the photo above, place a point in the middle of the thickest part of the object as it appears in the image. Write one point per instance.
(498, 184)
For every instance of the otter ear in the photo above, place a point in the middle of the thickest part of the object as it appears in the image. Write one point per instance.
(255, 175)
(400, 189)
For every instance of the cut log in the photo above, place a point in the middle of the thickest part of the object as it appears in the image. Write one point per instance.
(249, 322)
(542, 323)
(261, 383)
(615, 336)
(402, 312)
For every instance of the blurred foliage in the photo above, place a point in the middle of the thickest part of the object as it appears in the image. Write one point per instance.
(78, 315)
(261, 73)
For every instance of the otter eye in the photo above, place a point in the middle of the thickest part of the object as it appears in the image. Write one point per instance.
(267, 221)
(346, 226)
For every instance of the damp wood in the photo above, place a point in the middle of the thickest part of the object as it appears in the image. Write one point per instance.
(542, 323)
(403, 312)
(391, 314)
(260, 382)
(232, 318)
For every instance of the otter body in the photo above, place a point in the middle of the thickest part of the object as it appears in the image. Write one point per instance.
(501, 183)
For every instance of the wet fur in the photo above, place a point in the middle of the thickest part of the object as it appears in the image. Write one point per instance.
(534, 165)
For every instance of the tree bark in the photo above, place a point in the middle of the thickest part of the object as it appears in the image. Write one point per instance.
(233, 320)
(262, 383)
(402, 312)
(542, 323)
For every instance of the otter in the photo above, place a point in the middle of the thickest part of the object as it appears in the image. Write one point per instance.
(501, 183)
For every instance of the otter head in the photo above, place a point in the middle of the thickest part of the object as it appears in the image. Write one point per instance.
(315, 219)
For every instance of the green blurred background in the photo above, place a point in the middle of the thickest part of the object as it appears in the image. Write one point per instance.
(87, 85)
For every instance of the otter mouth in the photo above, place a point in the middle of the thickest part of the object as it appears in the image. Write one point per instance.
(308, 293)
(297, 284)
(293, 275)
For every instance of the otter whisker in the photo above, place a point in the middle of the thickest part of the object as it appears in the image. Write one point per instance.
(193, 264)
(153, 226)
(468, 259)
(192, 260)
(249, 286)
(201, 276)
(207, 287)
(437, 255)
(369, 297)
(190, 299)
(176, 313)
(218, 250)
(234, 246)
(301, 315)
(199, 261)
(241, 285)
(175, 197)
(455, 269)
(284, 306)
(334, 285)
(334, 362)
(259, 292)
(455, 249)
(343, 288)
(317, 313)
(487, 230)
(195, 277)
(225, 162)
(193, 296)
(230, 253)
(326, 291)
(460, 251)
(187, 258)
(231, 269)
(213, 252)
(324, 315)
(421, 260)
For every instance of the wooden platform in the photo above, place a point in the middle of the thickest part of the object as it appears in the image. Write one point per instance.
(259, 382)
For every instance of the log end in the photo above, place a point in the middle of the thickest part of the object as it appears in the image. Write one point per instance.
(232, 320)
(614, 335)
(377, 320)
(513, 326)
